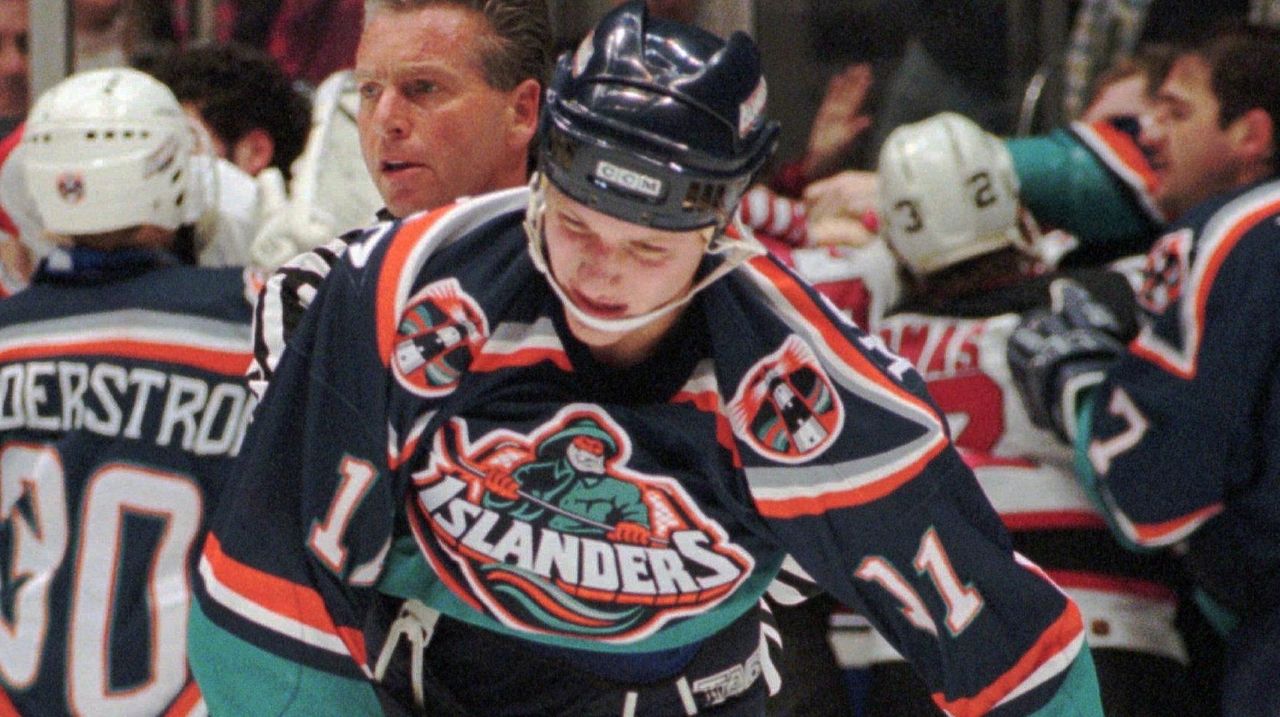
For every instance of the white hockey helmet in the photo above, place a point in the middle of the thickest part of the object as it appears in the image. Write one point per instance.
(948, 193)
(106, 150)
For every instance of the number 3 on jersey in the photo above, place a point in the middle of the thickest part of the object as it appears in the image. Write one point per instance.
(963, 602)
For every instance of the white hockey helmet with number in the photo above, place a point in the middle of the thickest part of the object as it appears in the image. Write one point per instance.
(108, 149)
(948, 193)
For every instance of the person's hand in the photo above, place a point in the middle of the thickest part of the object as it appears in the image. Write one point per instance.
(841, 208)
(1057, 356)
(501, 483)
(839, 121)
(628, 532)
(842, 230)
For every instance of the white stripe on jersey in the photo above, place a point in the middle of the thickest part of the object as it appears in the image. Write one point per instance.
(256, 613)
(1211, 248)
(511, 337)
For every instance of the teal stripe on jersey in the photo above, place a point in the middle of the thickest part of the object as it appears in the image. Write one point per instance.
(281, 687)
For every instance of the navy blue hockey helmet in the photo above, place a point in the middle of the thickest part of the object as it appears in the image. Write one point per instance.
(656, 123)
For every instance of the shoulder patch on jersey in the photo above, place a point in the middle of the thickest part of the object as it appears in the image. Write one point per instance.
(1165, 271)
(437, 338)
(552, 532)
(785, 408)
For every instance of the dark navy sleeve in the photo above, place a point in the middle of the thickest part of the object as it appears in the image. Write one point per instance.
(850, 463)
(287, 571)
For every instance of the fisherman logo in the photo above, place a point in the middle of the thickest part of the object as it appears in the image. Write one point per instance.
(1165, 271)
(437, 338)
(551, 532)
(785, 408)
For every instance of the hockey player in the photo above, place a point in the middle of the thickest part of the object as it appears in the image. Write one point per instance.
(1090, 178)
(612, 297)
(951, 214)
(121, 372)
(218, 218)
(1174, 434)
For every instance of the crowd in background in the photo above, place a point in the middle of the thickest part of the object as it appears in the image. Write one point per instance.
(1084, 141)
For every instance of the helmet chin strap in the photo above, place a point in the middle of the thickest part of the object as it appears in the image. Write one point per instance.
(735, 251)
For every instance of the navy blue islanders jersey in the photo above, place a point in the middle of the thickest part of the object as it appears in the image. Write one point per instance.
(122, 403)
(1181, 439)
(434, 432)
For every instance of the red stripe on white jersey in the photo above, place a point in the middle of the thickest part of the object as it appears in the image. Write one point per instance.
(1112, 584)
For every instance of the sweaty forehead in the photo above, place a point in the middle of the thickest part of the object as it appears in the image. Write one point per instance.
(434, 31)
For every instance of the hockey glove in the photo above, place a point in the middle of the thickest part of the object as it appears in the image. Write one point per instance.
(1055, 357)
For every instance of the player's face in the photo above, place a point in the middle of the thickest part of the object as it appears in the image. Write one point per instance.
(431, 128)
(613, 269)
(1192, 155)
(13, 58)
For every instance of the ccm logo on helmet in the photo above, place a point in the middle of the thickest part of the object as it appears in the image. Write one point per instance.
(628, 179)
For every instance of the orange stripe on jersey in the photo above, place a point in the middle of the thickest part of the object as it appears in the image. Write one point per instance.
(1126, 150)
(6, 706)
(273, 593)
(1203, 284)
(870, 492)
(831, 334)
(522, 357)
(709, 402)
(186, 703)
(227, 363)
(1056, 638)
(1158, 533)
(386, 316)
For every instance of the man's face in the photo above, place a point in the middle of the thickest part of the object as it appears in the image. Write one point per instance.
(613, 269)
(431, 129)
(1192, 156)
(13, 58)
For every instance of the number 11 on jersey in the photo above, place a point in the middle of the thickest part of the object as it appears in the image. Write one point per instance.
(963, 601)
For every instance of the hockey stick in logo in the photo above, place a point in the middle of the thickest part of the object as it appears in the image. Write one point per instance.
(455, 454)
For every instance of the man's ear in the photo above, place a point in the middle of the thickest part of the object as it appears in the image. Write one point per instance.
(1255, 135)
(526, 100)
(254, 151)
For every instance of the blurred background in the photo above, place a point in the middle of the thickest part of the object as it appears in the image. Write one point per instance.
(1017, 66)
